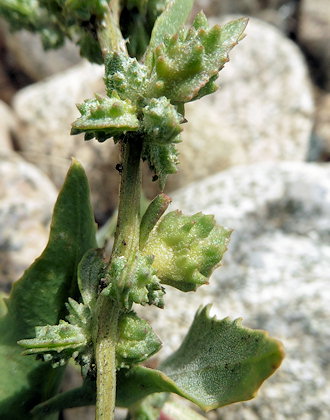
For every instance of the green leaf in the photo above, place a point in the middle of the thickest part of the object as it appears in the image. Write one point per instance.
(160, 405)
(138, 382)
(137, 20)
(39, 297)
(186, 249)
(91, 271)
(141, 5)
(221, 362)
(136, 340)
(169, 22)
(218, 363)
(161, 124)
(58, 343)
(151, 216)
(52, 278)
(90, 47)
(104, 117)
(77, 397)
(186, 64)
(3, 306)
(83, 10)
(177, 410)
(136, 28)
(55, 338)
(149, 408)
(132, 386)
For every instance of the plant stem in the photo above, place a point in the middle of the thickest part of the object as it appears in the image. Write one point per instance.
(108, 32)
(126, 238)
(105, 354)
(128, 224)
(126, 244)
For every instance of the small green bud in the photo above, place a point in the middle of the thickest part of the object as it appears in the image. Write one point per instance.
(161, 121)
(138, 284)
(186, 249)
(161, 124)
(79, 315)
(136, 340)
(124, 75)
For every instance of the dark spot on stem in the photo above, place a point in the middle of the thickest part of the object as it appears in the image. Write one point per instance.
(102, 284)
(119, 167)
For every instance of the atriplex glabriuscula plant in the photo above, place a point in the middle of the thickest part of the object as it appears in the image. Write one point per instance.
(75, 303)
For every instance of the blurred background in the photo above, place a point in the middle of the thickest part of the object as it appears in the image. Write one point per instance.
(256, 154)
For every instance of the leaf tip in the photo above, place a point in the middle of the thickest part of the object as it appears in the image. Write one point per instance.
(75, 163)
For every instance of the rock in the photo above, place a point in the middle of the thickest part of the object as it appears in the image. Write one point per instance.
(27, 198)
(275, 275)
(314, 37)
(248, 7)
(7, 124)
(322, 123)
(263, 110)
(38, 63)
(7, 89)
(281, 13)
(45, 111)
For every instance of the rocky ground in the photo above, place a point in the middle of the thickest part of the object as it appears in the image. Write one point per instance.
(256, 154)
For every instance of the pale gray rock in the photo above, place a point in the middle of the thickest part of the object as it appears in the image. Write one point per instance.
(27, 198)
(217, 8)
(7, 124)
(28, 54)
(314, 37)
(46, 111)
(322, 123)
(263, 110)
(275, 275)
(281, 13)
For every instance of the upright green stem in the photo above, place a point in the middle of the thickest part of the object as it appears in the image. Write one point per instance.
(126, 238)
(128, 225)
(126, 244)
(105, 354)
(108, 33)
